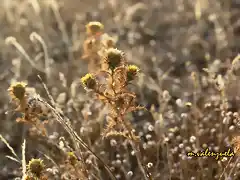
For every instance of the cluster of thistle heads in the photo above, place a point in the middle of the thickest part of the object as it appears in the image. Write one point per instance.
(109, 83)
(118, 74)
(111, 57)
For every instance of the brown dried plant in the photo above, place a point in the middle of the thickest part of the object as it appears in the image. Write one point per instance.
(110, 86)
(32, 110)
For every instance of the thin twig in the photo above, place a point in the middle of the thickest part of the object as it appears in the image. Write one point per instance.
(12, 41)
(24, 164)
(34, 36)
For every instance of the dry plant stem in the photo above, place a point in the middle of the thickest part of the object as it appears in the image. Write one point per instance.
(46, 89)
(137, 151)
(133, 142)
(223, 97)
(74, 135)
(61, 25)
(169, 162)
(226, 167)
(97, 169)
(24, 168)
(69, 131)
(35, 5)
(9, 15)
(37, 9)
(17, 159)
(50, 159)
(112, 84)
(76, 139)
(13, 41)
(65, 37)
(35, 36)
(196, 85)
(77, 172)
(235, 164)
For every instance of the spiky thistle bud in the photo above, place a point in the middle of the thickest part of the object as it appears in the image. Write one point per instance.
(132, 72)
(113, 58)
(89, 81)
(17, 90)
(36, 166)
(94, 28)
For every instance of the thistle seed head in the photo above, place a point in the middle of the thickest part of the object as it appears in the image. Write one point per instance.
(89, 81)
(17, 90)
(114, 58)
(132, 72)
(36, 166)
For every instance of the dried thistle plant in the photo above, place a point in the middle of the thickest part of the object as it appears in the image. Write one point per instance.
(32, 110)
(114, 92)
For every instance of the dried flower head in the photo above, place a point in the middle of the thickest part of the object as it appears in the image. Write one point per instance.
(132, 71)
(113, 58)
(89, 81)
(36, 166)
(17, 90)
(94, 28)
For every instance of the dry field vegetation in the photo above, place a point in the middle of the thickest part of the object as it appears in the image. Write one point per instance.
(119, 89)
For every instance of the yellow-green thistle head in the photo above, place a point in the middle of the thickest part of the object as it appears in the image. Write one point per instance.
(17, 90)
(36, 166)
(132, 72)
(89, 81)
